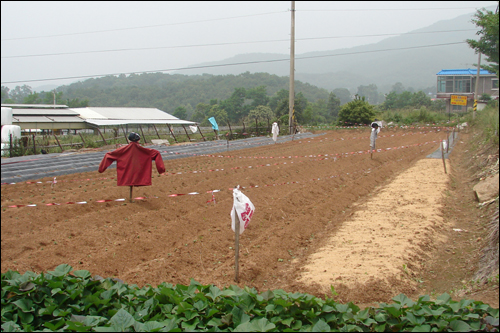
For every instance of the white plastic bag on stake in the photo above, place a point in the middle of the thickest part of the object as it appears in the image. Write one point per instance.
(243, 207)
(444, 145)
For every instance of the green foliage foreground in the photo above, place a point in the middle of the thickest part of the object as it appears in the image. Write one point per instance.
(60, 301)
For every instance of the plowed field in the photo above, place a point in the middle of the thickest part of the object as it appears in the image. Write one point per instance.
(306, 193)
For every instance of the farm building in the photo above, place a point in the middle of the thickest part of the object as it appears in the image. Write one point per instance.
(457, 87)
(60, 118)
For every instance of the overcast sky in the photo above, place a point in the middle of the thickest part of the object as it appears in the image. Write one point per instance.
(168, 35)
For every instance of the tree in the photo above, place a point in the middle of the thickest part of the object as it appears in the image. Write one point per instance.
(234, 104)
(357, 111)
(420, 99)
(343, 94)
(282, 110)
(277, 99)
(180, 112)
(403, 100)
(316, 113)
(333, 107)
(370, 92)
(48, 97)
(76, 103)
(19, 93)
(5, 93)
(488, 42)
(438, 105)
(390, 100)
(201, 112)
(261, 112)
(33, 98)
(219, 114)
(258, 95)
(398, 88)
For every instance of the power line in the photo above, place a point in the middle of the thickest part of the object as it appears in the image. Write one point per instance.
(379, 9)
(142, 27)
(222, 44)
(232, 64)
(228, 18)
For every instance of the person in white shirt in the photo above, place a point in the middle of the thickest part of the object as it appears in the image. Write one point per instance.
(373, 137)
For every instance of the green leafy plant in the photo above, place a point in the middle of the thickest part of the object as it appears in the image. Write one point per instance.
(62, 300)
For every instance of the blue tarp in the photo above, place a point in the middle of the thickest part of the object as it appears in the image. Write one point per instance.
(214, 123)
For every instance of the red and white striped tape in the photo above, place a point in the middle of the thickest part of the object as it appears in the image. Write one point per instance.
(230, 189)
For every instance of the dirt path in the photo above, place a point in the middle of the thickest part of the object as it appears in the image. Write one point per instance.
(385, 239)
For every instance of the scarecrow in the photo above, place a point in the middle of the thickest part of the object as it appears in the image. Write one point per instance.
(373, 136)
(133, 163)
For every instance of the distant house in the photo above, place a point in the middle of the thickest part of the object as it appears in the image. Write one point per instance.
(462, 82)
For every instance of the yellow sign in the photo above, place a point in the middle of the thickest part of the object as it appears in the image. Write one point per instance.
(458, 100)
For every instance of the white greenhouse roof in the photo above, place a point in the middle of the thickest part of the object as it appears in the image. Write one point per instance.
(103, 116)
(123, 113)
(92, 116)
(112, 122)
(44, 112)
(36, 106)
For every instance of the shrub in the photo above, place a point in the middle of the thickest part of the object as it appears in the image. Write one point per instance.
(60, 301)
(356, 112)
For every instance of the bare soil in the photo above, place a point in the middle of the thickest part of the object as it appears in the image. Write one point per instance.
(327, 214)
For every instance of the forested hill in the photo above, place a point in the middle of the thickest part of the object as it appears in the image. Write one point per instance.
(168, 92)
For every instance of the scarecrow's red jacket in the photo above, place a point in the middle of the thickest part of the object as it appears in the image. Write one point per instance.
(133, 164)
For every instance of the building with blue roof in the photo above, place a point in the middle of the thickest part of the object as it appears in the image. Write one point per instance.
(460, 85)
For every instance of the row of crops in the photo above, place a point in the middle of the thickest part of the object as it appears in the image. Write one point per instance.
(67, 300)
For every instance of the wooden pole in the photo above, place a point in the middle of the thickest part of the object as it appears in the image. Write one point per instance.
(185, 130)
(291, 97)
(476, 90)
(236, 246)
(131, 193)
(124, 134)
(199, 129)
(156, 131)
(34, 145)
(172, 133)
(81, 136)
(140, 127)
(447, 141)
(230, 131)
(59, 143)
(102, 136)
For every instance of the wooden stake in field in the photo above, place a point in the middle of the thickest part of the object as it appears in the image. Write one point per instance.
(131, 187)
(236, 246)
(241, 214)
(442, 155)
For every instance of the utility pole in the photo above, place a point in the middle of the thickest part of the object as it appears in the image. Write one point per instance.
(477, 87)
(291, 98)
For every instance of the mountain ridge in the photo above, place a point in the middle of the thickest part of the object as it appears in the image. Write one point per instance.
(414, 59)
